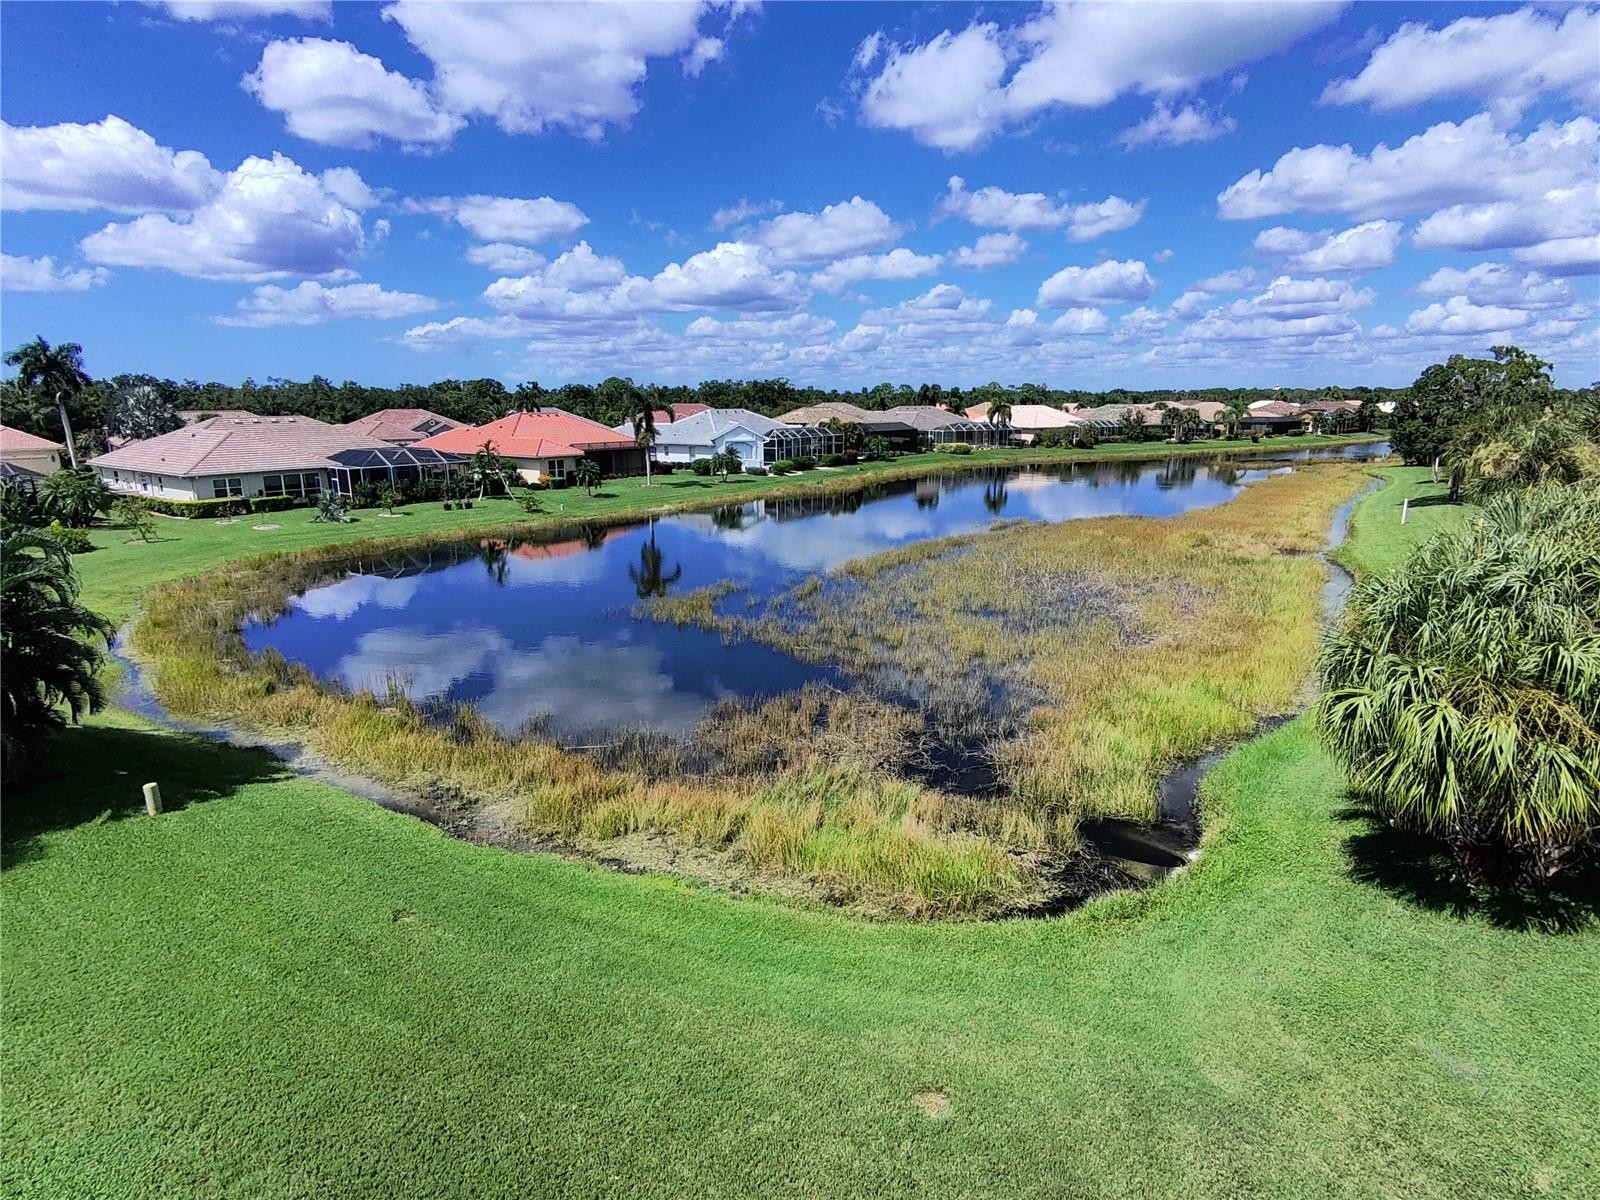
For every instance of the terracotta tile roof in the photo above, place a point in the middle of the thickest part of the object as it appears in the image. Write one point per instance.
(233, 445)
(548, 433)
(16, 439)
(400, 424)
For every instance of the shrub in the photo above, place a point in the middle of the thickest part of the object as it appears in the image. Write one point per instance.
(755, 470)
(364, 495)
(782, 467)
(529, 502)
(803, 462)
(17, 505)
(449, 506)
(1054, 439)
(235, 507)
(1462, 690)
(71, 539)
(134, 513)
(874, 448)
(74, 496)
(331, 508)
(1255, 435)
(1297, 431)
(834, 460)
(271, 504)
(953, 448)
(1084, 439)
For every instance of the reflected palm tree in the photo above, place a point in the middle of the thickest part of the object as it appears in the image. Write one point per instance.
(496, 561)
(730, 518)
(996, 496)
(649, 580)
(593, 536)
(926, 492)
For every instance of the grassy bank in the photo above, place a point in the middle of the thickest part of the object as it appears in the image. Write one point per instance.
(1378, 541)
(277, 990)
(1114, 711)
(116, 576)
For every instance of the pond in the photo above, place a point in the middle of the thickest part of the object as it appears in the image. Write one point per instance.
(546, 634)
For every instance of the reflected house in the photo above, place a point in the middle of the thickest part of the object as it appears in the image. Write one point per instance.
(545, 445)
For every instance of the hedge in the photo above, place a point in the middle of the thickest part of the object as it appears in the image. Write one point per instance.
(270, 504)
(233, 507)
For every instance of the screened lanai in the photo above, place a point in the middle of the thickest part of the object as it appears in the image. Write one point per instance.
(974, 433)
(390, 464)
(791, 441)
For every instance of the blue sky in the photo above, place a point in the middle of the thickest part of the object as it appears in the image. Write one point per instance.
(1149, 195)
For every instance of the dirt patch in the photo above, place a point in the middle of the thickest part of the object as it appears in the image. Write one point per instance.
(934, 1105)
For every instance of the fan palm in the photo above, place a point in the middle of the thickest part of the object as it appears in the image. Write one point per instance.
(54, 371)
(643, 416)
(48, 643)
(1462, 691)
(586, 474)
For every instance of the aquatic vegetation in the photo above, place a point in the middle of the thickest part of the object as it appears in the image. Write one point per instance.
(1110, 647)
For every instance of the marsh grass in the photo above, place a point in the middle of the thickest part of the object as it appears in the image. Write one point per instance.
(1166, 636)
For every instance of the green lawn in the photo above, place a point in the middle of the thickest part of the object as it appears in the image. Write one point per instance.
(1378, 541)
(117, 574)
(277, 989)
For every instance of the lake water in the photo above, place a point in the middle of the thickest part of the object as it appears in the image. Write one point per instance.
(544, 630)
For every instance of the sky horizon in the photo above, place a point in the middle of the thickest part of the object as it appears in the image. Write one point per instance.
(1080, 195)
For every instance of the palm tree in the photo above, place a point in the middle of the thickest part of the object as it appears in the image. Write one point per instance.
(1516, 446)
(1462, 691)
(48, 642)
(586, 474)
(643, 416)
(1131, 425)
(725, 462)
(649, 581)
(1000, 412)
(488, 467)
(1181, 421)
(74, 497)
(55, 371)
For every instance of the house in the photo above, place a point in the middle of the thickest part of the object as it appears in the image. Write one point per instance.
(680, 412)
(1273, 417)
(219, 458)
(34, 456)
(907, 426)
(543, 445)
(757, 440)
(1027, 421)
(400, 426)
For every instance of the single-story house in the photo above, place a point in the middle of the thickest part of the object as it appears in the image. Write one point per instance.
(1027, 421)
(907, 426)
(546, 444)
(35, 455)
(757, 440)
(225, 457)
(190, 415)
(400, 426)
(680, 412)
(1273, 417)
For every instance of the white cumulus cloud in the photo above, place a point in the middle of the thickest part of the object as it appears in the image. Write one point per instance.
(899, 263)
(42, 275)
(311, 303)
(507, 218)
(995, 208)
(990, 250)
(1167, 126)
(109, 164)
(1109, 282)
(852, 226)
(1363, 247)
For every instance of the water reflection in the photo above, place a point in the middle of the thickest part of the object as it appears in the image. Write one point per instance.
(525, 628)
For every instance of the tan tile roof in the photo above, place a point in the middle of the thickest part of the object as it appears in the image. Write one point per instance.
(232, 445)
(16, 439)
(400, 424)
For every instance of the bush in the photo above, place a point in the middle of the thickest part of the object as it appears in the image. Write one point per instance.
(271, 504)
(17, 505)
(1084, 439)
(953, 448)
(1461, 691)
(1054, 439)
(834, 460)
(364, 495)
(530, 503)
(235, 507)
(1297, 431)
(1255, 435)
(700, 466)
(72, 539)
(782, 467)
(332, 509)
(755, 470)
(803, 462)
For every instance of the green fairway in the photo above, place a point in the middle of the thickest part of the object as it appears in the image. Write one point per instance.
(1378, 541)
(279, 990)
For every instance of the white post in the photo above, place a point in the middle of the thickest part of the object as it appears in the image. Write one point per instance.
(1405, 509)
(152, 798)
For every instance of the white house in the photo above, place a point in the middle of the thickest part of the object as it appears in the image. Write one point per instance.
(756, 440)
(233, 456)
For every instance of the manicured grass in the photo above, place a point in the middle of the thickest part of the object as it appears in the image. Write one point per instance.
(279, 990)
(1378, 541)
(116, 576)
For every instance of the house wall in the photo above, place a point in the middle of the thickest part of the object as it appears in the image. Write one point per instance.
(740, 440)
(535, 470)
(197, 487)
(45, 462)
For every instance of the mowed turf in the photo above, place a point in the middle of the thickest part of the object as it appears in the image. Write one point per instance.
(1377, 540)
(278, 989)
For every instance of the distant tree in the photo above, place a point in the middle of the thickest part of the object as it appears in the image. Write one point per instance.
(55, 372)
(875, 448)
(389, 497)
(586, 474)
(133, 512)
(1506, 446)
(1429, 416)
(642, 413)
(1131, 426)
(1000, 411)
(50, 644)
(725, 462)
(1181, 422)
(74, 496)
(488, 470)
(141, 411)
(851, 434)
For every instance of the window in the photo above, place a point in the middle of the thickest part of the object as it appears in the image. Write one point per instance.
(296, 484)
(222, 489)
(558, 468)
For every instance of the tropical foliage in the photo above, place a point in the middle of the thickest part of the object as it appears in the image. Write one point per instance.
(1462, 691)
(586, 474)
(48, 642)
(141, 410)
(74, 497)
(1429, 416)
(49, 374)
(133, 513)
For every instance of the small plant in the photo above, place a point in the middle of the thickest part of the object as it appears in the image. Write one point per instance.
(331, 509)
(530, 503)
(755, 470)
(18, 506)
(953, 448)
(834, 460)
(875, 448)
(725, 463)
(134, 512)
(700, 466)
(389, 496)
(71, 539)
(449, 506)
